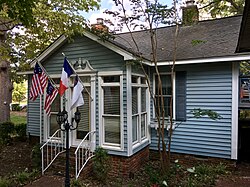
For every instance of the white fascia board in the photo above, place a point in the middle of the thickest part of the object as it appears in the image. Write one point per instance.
(207, 60)
(126, 55)
(25, 73)
(49, 50)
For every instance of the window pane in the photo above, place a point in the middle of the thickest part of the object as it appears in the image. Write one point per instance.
(85, 79)
(134, 128)
(134, 100)
(143, 125)
(112, 130)
(55, 106)
(111, 100)
(143, 99)
(84, 125)
(143, 80)
(166, 84)
(53, 124)
(109, 79)
(57, 81)
(166, 106)
(134, 79)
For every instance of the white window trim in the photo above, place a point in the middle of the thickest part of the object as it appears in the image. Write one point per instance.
(46, 118)
(129, 111)
(235, 93)
(139, 85)
(110, 146)
(174, 93)
(92, 76)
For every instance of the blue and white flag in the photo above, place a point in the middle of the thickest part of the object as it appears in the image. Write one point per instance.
(77, 98)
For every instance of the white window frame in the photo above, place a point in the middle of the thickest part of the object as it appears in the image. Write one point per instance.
(46, 118)
(139, 85)
(102, 143)
(173, 88)
(91, 84)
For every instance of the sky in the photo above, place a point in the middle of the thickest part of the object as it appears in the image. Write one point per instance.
(109, 4)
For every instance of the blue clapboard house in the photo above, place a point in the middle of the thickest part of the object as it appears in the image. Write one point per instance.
(119, 115)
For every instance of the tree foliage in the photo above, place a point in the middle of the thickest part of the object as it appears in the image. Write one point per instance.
(221, 8)
(47, 21)
(245, 68)
(19, 92)
(147, 14)
(14, 12)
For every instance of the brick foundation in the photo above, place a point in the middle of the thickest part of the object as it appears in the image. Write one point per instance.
(127, 166)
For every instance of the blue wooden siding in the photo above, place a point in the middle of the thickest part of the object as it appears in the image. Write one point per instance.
(208, 87)
(33, 113)
(101, 59)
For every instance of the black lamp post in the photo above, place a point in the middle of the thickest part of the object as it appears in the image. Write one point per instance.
(62, 118)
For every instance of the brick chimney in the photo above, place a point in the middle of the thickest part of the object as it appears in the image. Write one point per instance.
(100, 26)
(190, 13)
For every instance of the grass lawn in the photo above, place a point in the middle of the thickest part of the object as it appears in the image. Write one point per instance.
(16, 118)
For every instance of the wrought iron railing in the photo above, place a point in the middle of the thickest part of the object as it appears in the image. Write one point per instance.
(84, 152)
(52, 149)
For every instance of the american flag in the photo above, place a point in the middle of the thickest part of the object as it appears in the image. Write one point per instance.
(38, 82)
(51, 94)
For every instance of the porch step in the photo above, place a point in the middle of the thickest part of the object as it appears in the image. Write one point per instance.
(58, 167)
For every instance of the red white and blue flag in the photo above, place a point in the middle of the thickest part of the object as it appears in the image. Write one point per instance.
(77, 98)
(67, 71)
(38, 83)
(51, 94)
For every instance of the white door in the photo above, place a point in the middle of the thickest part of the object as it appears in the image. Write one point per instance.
(85, 123)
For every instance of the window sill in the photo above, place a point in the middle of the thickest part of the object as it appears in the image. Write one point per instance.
(138, 144)
(111, 148)
(154, 124)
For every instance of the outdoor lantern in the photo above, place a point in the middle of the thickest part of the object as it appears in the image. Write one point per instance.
(59, 118)
(65, 115)
(77, 116)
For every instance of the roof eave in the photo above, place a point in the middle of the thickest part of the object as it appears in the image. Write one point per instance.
(235, 58)
(49, 50)
(55, 45)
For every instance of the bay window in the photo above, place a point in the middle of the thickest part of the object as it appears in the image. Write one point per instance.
(111, 110)
(139, 109)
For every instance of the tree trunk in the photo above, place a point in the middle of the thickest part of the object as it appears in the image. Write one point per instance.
(5, 86)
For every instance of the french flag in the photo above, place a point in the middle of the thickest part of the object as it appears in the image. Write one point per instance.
(67, 71)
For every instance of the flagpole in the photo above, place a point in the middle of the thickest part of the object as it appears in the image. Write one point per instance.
(78, 76)
(54, 84)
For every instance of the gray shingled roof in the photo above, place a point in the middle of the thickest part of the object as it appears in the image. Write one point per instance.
(244, 42)
(218, 38)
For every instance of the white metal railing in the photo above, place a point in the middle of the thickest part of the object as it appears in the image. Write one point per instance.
(84, 152)
(52, 148)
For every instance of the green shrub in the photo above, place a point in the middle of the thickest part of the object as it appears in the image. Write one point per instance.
(101, 165)
(36, 157)
(6, 129)
(22, 177)
(16, 107)
(20, 130)
(75, 183)
(154, 175)
(205, 174)
(5, 182)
